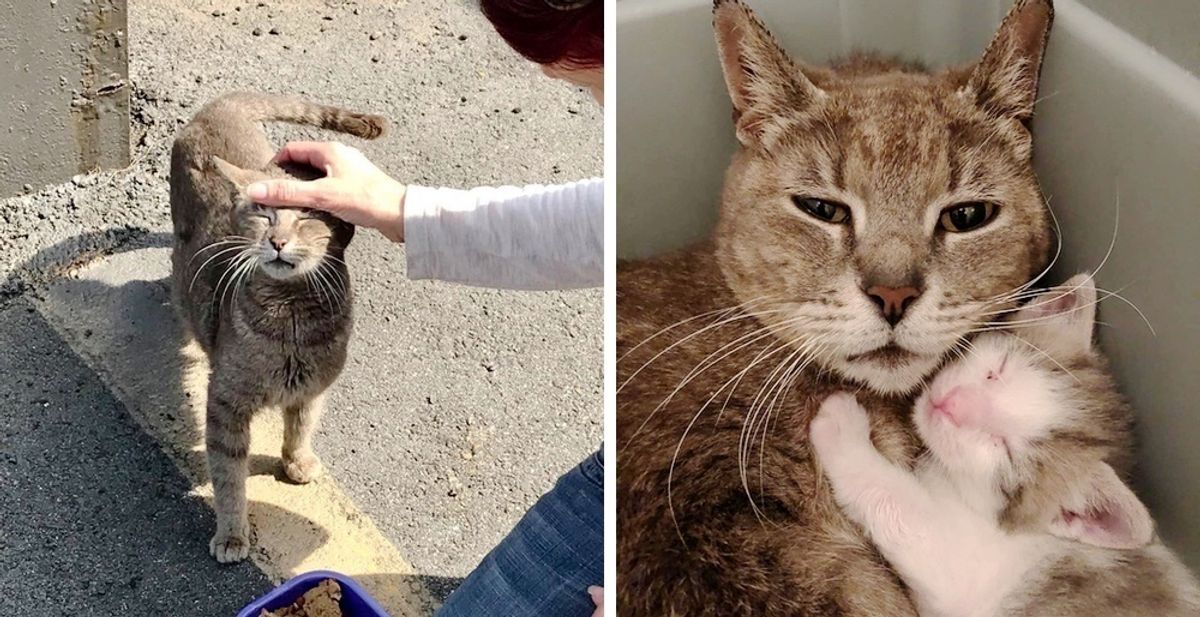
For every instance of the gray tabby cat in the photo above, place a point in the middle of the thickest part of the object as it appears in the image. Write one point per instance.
(264, 291)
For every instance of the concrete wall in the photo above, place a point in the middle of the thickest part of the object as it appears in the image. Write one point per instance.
(64, 90)
(1171, 27)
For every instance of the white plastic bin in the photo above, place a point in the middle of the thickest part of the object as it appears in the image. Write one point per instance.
(1119, 117)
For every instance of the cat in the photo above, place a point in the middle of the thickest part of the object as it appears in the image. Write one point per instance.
(265, 292)
(1017, 509)
(873, 215)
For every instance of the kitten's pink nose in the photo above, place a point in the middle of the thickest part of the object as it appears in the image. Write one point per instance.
(963, 406)
(278, 243)
(947, 405)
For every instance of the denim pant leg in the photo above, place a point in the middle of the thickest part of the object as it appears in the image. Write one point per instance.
(546, 563)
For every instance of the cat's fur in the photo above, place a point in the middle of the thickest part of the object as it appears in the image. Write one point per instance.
(720, 508)
(264, 291)
(1017, 508)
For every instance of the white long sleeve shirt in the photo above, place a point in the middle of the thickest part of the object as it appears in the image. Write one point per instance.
(534, 237)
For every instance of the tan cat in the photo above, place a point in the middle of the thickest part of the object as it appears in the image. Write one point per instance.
(874, 215)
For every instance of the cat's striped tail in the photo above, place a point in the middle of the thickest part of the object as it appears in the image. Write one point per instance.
(263, 107)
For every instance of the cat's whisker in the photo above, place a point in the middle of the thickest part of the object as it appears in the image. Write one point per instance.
(1104, 295)
(765, 402)
(719, 312)
(705, 364)
(1057, 253)
(702, 366)
(337, 278)
(1046, 355)
(770, 350)
(323, 286)
(781, 393)
(685, 339)
(751, 423)
(231, 268)
(225, 251)
(218, 243)
(766, 352)
(339, 284)
(335, 258)
(247, 265)
(244, 275)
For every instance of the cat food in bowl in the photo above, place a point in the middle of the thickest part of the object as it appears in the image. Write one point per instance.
(316, 594)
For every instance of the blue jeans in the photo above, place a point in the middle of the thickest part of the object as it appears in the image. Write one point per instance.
(546, 563)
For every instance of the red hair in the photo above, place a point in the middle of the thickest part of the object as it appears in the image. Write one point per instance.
(545, 34)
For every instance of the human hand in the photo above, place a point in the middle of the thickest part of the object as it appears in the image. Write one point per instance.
(597, 594)
(353, 189)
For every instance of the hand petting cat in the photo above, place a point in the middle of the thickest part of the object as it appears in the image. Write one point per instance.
(353, 189)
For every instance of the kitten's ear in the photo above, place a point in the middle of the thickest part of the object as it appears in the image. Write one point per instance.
(237, 176)
(763, 81)
(1103, 511)
(1005, 81)
(1060, 320)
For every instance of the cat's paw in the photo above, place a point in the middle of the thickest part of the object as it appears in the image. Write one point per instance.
(303, 468)
(229, 547)
(840, 421)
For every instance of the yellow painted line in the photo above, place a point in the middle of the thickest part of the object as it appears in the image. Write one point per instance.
(296, 528)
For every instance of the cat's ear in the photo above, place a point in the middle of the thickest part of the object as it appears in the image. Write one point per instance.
(1005, 81)
(1102, 511)
(1060, 320)
(763, 82)
(238, 177)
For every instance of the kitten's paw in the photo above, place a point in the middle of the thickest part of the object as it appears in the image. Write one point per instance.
(303, 468)
(840, 420)
(229, 547)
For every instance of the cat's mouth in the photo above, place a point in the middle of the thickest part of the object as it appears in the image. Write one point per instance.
(279, 268)
(888, 355)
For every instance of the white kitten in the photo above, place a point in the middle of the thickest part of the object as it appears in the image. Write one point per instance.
(1017, 508)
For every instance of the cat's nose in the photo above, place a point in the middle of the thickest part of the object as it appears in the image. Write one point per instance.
(278, 243)
(893, 301)
(946, 407)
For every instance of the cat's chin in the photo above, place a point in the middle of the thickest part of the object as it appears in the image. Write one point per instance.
(887, 376)
(282, 270)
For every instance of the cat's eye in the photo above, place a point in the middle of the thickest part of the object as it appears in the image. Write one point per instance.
(825, 210)
(967, 216)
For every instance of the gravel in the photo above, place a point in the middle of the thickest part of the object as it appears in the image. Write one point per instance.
(495, 393)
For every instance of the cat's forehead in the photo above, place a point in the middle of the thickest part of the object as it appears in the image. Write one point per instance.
(902, 143)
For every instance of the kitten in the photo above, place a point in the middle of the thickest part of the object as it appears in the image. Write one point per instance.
(874, 214)
(1017, 508)
(264, 291)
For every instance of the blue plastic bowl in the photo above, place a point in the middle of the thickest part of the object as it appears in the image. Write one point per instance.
(355, 601)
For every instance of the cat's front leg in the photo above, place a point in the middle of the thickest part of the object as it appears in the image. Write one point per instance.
(227, 440)
(886, 500)
(300, 462)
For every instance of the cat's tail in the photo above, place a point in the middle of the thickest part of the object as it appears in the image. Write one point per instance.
(263, 107)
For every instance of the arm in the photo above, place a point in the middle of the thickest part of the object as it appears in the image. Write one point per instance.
(535, 237)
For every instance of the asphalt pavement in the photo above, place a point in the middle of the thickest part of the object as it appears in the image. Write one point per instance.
(458, 406)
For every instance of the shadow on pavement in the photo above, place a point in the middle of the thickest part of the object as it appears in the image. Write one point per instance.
(97, 518)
